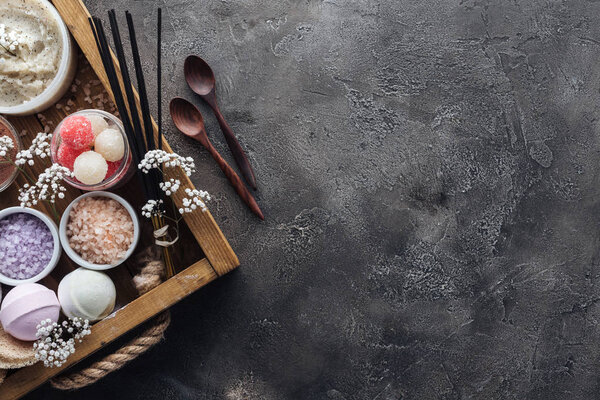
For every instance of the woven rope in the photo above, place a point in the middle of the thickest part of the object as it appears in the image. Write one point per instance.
(149, 277)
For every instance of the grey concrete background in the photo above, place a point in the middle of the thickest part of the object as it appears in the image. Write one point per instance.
(428, 170)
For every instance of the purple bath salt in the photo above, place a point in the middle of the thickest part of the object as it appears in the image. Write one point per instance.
(26, 246)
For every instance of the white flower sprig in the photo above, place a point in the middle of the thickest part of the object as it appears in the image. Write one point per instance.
(155, 159)
(40, 147)
(152, 207)
(6, 145)
(56, 342)
(171, 186)
(158, 160)
(194, 200)
(48, 186)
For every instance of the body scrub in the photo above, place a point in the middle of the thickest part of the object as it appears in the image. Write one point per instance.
(100, 230)
(30, 50)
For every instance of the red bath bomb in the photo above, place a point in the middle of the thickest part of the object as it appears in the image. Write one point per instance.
(66, 155)
(113, 166)
(76, 132)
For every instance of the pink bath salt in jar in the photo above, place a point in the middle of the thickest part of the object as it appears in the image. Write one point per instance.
(94, 146)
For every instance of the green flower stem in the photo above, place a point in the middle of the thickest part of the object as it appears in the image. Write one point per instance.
(10, 161)
(54, 212)
(51, 205)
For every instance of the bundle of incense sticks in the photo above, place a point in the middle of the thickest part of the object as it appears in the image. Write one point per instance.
(140, 133)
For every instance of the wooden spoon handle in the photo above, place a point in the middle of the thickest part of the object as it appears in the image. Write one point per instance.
(236, 182)
(236, 149)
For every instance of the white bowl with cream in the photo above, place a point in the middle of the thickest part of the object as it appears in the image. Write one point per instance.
(37, 56)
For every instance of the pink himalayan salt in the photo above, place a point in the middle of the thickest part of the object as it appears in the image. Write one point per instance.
(100, 230)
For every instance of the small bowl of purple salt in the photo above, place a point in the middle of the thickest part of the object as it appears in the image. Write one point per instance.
(29, 246)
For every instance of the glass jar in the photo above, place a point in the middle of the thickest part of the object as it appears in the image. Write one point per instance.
(123, 173)
(7, 178)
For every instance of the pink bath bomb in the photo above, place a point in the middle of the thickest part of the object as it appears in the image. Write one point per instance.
(66, 155)
(76, 132)
(24, 307)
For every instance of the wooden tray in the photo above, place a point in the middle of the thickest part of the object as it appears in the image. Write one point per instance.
(207, 251)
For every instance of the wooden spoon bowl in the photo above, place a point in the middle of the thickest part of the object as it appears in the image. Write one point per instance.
(199, 76)
(188, 119)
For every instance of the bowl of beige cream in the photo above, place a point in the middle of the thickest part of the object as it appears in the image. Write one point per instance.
(37, 56)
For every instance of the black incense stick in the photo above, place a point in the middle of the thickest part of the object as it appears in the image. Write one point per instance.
(135, 119)
(139, 73)
(145, 105)
(159, 75)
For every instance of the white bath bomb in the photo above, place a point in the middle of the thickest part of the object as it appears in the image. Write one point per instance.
(109, 143)
(90, 168)
(98, 123)
(87, 294)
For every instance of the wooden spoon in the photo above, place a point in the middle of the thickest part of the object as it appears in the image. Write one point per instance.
(201, 80)
(188, 119)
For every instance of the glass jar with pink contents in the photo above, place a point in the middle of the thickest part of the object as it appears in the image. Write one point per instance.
(93, 145)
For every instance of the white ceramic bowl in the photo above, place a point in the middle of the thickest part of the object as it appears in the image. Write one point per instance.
(62, 231)
(55, 253)
(64, 76)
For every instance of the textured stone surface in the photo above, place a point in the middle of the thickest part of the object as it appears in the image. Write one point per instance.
(428, 174)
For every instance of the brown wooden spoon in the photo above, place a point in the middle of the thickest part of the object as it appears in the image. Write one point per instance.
(201, 79)
(188, 119)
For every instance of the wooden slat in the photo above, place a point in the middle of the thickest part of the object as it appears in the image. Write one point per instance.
(205, 229)
(114, 326)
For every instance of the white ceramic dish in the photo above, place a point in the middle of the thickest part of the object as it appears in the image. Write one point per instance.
(55, 253)
(76, 257)
(64, 76)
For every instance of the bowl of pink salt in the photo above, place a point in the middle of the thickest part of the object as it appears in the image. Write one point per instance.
(29, 246)
(10, 145)
(99, 230)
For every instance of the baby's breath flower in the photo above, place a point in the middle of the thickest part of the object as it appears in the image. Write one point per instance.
(47, 188)
(40, 147)
(6, 144)
(154, 159)
(171, 186)
(56, 342)
(151, 208)
(195, 200)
